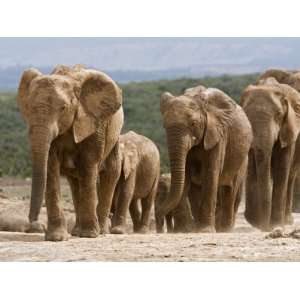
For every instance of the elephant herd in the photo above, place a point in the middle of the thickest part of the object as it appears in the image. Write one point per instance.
(219, 152)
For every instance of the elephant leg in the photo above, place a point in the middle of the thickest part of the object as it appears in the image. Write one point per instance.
(114, 203)
(88, 200)
(281, 170)
(74, 185)
(124, 200)
(194, 194)
(227, 209)
(107, 184)
(289, 201)
(57, 227)
(169, 221)
(251, 206)
(220, 196)
(183, 221)
(147, 204)
(159, 222)
(135, 214)
(209, 190)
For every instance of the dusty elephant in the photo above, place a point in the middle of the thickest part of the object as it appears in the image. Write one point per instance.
(179, 219)
(291, 78)
(139, 158)
(208, 138)
(74, 117)
(274, 112)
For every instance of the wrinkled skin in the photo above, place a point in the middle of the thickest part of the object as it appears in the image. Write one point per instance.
(74, 116)
(292, 78)
(140, 168)
(208, 138)
(179, 219)
(273, 111)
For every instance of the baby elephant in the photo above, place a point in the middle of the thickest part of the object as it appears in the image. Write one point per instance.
(179, 219)
(138, 180)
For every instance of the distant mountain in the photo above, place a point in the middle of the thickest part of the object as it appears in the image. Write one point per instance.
(139, 59)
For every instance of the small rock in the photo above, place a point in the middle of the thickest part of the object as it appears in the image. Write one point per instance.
(209, 244)
(276, 233)
(295, 233)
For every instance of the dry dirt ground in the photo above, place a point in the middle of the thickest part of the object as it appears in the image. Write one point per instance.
(244, 244)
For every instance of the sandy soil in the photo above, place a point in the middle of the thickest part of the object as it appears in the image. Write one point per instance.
(244, 244)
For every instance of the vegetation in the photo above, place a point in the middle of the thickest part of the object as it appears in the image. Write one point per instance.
(141, 105)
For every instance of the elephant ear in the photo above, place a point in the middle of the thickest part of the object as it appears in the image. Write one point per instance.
(291, 124)
(219, 113)
(130, 159)
(245, 95)
(23, 90)
(281, 76)
(99, 98)
(295, 81)
(165, 99)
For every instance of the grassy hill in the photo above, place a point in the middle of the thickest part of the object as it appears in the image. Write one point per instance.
(141, 106)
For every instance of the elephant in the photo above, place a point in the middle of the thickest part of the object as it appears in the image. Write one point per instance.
(138, 180)
(75, 117)
(179, 219)
(274, 113)
(208, 138)
(292, 78)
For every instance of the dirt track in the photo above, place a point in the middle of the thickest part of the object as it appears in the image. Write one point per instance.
(244, 244)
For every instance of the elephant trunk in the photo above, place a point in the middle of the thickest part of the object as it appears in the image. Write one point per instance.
(264, 187)
(40, 145)
(178, 146)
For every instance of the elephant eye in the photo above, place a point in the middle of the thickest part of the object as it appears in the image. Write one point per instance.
(278, 116)
(194, 123)
(62, 108)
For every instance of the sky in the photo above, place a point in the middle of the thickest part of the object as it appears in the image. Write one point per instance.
(138, 59)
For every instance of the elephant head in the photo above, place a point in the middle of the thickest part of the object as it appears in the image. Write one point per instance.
(74, 100)
(273, 110)
(198, 117)
(291, 78)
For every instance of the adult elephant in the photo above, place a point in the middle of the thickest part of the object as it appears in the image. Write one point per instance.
(208, 138)
(292, 78)
(74, 117)
(274, 112)
(139, 158)
(179, 219)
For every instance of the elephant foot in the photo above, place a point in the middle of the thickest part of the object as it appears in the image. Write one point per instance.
(119, 229)
(225, 229)
(143, 229)
(159, 230)
(57, 235)
(136, 227)
(289, 220)
(276, 226)
(105, 226)
(36, 227)
(75, 231)
(88, 233)
(250, 219)
(205, 229)
(89, 229)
